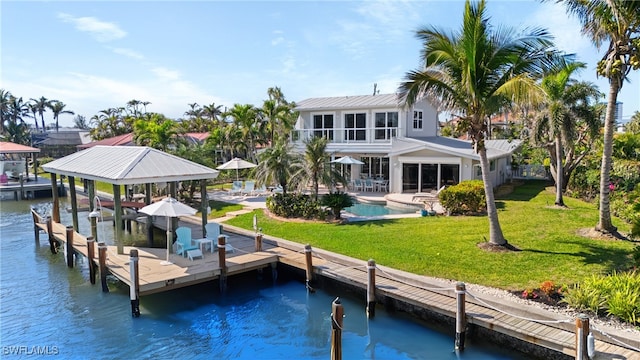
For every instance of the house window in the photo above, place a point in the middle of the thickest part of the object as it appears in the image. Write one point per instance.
(417, 119)
(323, 126)
(492, 165)
(386, 125)
(355, 125)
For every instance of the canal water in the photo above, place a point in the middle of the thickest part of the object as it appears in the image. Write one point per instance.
(47, 309)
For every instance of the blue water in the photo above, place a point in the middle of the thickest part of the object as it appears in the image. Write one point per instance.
(47, 307)
(364, 209)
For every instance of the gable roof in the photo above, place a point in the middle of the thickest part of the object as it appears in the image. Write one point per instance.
(120, 140)
(349, 102)
(126, 165)
(13, 148)
(463, 148)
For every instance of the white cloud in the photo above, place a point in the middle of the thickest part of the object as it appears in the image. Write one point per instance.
(277, 41)
(128, 53)
(166, 74)
(100, 30)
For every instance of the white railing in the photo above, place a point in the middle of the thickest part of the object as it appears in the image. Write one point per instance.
(530, 172)
(377, 135)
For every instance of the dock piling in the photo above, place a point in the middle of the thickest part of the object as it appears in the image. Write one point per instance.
(337, 315)
(69, 246)
(102, 259)
(36, 229)
(22, 197)
(222, 261)
(371, 289)
(91, 254)
(460, 316)
(52, 239)
(582, 331)
(309, 262)
(258, 242)
(134, 289)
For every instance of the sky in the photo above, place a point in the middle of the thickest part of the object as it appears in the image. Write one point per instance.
(95, 55)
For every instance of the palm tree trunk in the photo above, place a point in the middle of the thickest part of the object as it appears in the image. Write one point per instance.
(559, 170)
(604, 223)
(495, 232)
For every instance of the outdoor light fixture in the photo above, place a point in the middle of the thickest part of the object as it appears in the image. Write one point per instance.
(96, 214)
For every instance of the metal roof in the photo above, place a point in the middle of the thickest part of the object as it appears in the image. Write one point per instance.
(349, 102)
(126, 165)
(13, 148)
(463, 148)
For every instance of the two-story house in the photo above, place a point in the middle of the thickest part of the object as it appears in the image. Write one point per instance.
(397, 143)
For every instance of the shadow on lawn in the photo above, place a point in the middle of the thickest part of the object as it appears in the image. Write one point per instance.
(593, 253)
(526, 190)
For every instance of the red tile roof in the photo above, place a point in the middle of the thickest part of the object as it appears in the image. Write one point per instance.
(12, 148)
(120, 140)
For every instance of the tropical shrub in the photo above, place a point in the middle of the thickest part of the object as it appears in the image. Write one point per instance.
(467, 196)
(336, 201)
(293, 205)
(617, 294)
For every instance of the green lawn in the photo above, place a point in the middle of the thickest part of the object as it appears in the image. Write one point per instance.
(446, 247)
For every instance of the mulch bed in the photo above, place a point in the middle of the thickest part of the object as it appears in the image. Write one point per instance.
(541, 297)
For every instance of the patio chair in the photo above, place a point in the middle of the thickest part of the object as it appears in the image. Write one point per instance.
(261, 191)
(184, 243)
(383, 185)
(214, 231)
(368, 185)
(278, 189)
(249, 187)
(357, 184)
(236, 188)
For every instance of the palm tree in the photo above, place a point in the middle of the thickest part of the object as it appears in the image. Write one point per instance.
(5, 96)
(566, 102)
(155, 130)
(246, 121)
(57, 108)
(475, 72)
(316, 167)
(17, 110)
(616, 22)
(276, 165)
(34, 110)
(42, 104)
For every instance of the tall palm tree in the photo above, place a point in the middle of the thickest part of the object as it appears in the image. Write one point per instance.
(34, 110)
(566, 103)
(475, 72)
(156, 131)
(247, 122)
(616, 23)
(57, 108)
(17, 110)
(42, 104)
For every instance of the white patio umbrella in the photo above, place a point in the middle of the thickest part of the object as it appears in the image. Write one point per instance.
(347, 160)
(236, 163)
(170, 208)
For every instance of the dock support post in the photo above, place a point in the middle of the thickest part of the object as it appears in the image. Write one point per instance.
(102, 259)
(149, 222)
(258, 242)
(274, 271)
(222, 254)
(337, 315)
(69, 246)
(460, 316)
(582, 331)
(55, 212)
(134, 289)
(309, 261)
(91, 254)
(22, 197)
(371, 289)
(74, 202)
(52, 239)
(36, 229)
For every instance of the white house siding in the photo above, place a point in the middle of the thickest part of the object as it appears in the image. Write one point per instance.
(429, 120)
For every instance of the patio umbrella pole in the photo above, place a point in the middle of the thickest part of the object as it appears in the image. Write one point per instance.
(167, 262)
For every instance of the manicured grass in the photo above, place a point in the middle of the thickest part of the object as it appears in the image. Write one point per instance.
(220, 209)
(446, 247)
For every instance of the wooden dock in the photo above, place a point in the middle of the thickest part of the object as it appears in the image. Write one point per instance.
(27, 189)
(415, 294)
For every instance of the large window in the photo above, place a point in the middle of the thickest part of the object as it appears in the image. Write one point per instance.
(417, 119)
(323, 126)
(386, 125)
(355, 125)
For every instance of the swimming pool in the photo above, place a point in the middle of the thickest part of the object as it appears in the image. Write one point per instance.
(373, 209)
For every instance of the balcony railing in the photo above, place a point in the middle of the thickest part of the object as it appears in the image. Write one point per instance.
(377, 135)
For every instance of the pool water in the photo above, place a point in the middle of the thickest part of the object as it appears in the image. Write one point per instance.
(370, 209)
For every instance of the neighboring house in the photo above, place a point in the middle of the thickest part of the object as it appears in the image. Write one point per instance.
(57, 144)
(396, 143)
(127, 140)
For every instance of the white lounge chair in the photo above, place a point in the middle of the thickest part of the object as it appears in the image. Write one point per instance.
(236, 188)
(249, 187)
